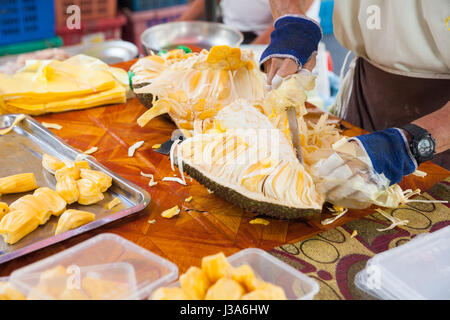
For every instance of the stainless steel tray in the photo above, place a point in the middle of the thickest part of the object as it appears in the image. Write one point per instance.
(21, 151)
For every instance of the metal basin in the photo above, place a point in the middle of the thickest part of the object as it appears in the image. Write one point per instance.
(189, 33)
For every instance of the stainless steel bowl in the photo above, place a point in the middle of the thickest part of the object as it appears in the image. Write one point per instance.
(195, 33)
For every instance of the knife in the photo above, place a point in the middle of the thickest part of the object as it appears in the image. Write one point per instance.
(292, 121)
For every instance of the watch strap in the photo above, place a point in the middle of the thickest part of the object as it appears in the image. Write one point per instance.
(415, 131)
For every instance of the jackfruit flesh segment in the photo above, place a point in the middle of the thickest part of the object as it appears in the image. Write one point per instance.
(169, 294)
(194, 283)
(89, 192)
(51, 163)
(35, 205)
(216, 267)
(8, 292)
(99, 289)
(55, 203)
(72, 171)
(267, 291)
(101, 179)
(18, 183)
(225, 289)
(72, 219)
(82, 164)
(4, 209)
(67, 188)
(159, 107)
(244, 276)
(17, 224)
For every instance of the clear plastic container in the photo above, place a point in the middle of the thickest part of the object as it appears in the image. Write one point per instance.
(6, 280)
(419, 269)
(104, 267)
(296, 285)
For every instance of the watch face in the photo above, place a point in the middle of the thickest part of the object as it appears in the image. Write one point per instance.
(425, 147)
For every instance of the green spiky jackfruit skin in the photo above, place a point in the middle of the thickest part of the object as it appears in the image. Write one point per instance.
(269, 209)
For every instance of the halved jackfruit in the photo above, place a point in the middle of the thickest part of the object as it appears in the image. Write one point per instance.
(17, 224)
(53, 200)
(72, 219)
(89, 192)
(194, 283)
(216, 267)
(169, 294)
(18, 183)
(101, 179)
(35, 205)
(67, 188)
(225, 289)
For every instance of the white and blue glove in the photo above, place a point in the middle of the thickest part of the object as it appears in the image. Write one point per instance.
(296, 37)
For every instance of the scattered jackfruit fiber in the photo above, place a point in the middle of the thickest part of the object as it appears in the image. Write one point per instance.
(218, 280)
(54, 86)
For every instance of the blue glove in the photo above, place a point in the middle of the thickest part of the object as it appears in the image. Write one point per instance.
(295, 37)
(389, 153)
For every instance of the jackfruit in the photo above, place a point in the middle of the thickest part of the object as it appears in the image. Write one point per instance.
(35, 205)
(244, 276)
(194, 283)
(99, 289)
(169, 294)
(67, 188)
(73, 171)
(56, 204)
(52, 283)
(225, 289)
(52, 163)
(8, 292)
(18, 183)
(4, 209)
(101, 179)
(72, 219)
(216, 267)
(17, 224)
(170, 213)
(267, 291)
(82, 164)
(89, 192)
(73, 294)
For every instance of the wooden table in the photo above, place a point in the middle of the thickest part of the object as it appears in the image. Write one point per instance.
(185, 239)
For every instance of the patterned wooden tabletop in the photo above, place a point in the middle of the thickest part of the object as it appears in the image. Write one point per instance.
(184, 240)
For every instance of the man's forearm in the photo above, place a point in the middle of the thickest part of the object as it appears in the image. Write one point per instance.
(438, 124)
(282, 7)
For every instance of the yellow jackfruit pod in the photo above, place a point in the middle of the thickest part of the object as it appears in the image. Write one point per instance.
(225, 289)
(67, 188)
(82, 164)
(101, 179)
(267, 291)
(89, 192)
(99, 289)
(216, 267)
(72, 219)
(18, 183)
(4, 209)
(52, 283)
(52, 163)
(35, 205)
(73, 171)
(16, 225)
(244, 275)
(194, 283)
(169, 294)
(8, 292)
(54, 201)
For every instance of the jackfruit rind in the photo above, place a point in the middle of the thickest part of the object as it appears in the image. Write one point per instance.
(252, 205)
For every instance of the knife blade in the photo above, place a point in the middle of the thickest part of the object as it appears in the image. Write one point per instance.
(295, 132)
(166, 146)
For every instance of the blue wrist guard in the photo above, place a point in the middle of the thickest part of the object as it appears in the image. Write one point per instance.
(389, 153)
(295, 37)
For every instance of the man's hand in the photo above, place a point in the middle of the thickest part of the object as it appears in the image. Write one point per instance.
(284, 67)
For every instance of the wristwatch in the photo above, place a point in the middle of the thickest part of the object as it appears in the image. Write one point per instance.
(421, 143)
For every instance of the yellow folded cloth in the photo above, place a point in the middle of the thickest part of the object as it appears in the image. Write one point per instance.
(55, 86)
